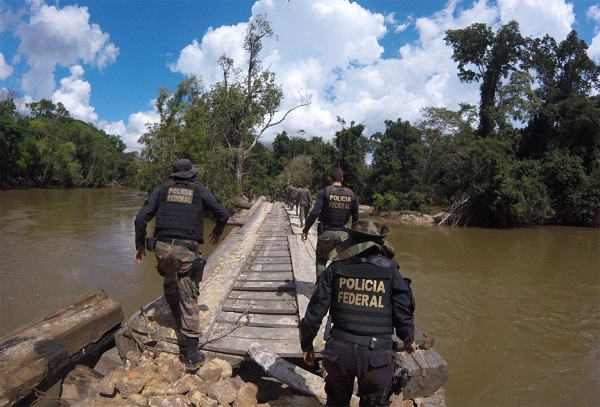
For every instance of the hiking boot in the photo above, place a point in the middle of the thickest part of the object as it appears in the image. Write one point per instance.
(194, 362)
(192, 358)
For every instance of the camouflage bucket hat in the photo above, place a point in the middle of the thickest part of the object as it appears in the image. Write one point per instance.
(362, 236)
(367, 230)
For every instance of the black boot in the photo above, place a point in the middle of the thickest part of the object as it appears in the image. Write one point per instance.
(193, 358)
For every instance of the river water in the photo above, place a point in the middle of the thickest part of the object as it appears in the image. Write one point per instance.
(515, 313)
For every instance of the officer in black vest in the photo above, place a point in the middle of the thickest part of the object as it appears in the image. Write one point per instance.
(179, 204)
(334, 206)
(367, 299)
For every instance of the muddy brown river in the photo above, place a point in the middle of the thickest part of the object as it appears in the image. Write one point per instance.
(515, 313)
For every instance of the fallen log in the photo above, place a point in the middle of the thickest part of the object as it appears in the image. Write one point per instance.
(39, 353)
(288, 373)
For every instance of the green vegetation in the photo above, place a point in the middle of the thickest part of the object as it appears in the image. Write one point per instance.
(475, 162)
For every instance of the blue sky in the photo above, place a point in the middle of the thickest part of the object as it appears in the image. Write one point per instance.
(364, 61)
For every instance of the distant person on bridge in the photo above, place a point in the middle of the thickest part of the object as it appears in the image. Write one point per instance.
(334, 206)
(367, 299)
(179, 205)
(304, 202)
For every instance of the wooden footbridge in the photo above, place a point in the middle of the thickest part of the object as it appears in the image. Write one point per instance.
(256, 287)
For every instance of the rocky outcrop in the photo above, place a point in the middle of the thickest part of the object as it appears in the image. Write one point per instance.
(159, 380)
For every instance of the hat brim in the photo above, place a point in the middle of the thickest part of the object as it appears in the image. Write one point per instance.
(185, 174)
(358, 234)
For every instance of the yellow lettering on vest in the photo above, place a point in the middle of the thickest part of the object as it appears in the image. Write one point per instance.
(339, 198)
(369, 285)
(380, 287)
(180, 195)
(339, 205)
(342, 282)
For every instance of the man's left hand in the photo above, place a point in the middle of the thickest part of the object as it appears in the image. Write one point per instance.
(214, 239)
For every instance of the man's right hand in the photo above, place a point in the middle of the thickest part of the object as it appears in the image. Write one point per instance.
(410, 347)
(139, 254)
(304, 236)
(309, 357)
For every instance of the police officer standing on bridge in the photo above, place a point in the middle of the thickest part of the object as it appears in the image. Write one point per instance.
(334, 206)
(179, 204)
(367, 299)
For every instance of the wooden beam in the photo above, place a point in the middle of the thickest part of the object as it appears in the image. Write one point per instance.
(38, 354)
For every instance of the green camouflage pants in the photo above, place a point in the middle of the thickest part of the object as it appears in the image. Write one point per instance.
(325, 250)
(179, 285)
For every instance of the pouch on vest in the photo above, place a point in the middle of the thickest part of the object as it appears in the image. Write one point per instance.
(151, 243)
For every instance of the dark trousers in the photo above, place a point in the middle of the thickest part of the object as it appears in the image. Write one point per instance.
(345, 361)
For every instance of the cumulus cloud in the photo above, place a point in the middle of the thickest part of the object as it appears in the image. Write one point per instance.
(130, 133)
(5, 69)
(60, 37)
(539, 17)
(593, 13)
(74, 93)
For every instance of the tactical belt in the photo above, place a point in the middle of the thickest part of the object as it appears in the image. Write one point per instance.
(190, 244)
(332, 227)
(372, 342)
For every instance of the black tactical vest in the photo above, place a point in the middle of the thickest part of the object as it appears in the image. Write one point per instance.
(362, 292)
(337, 206)
(180, 213)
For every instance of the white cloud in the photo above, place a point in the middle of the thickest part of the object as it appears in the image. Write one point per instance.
(74, 93)
(539, 17)
(133, 130)
(593, 13)
(60, 37)
(5, 69)
(332, 49)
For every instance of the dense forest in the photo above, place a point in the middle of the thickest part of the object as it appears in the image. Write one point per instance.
(528, 154)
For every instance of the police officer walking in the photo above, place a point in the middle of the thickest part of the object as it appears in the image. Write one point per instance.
(367, 299)
(334, 206)
(179, 204)
(304, 202)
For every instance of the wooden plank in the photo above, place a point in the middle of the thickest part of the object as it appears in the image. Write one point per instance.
(287, 372)
(214, 290)
(264, 320)
(273, 252)
(427, 370)
(271, 239)
(304, 274)
(270, 267)
(271, 260)
(283, 276)
(41, 350)
(260, 307)
(262, 296)
(256, 333)
(238, 346)
(263, 286)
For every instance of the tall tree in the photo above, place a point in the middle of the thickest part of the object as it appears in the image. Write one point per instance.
(396, 166)
(352, 147)
(244, 104)
(180, 133)
(567, 113)
(494, 57)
